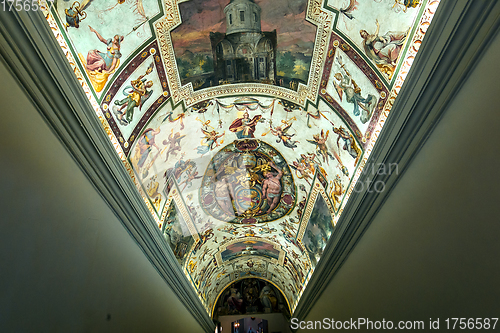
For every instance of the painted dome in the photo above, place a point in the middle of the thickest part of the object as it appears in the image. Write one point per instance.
(242, 16)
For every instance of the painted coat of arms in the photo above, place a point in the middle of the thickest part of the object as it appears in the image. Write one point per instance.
(248, 182)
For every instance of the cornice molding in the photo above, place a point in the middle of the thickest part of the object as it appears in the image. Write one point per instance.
(30, 51)
(452, 46)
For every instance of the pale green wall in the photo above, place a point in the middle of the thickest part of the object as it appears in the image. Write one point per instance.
(66, 262)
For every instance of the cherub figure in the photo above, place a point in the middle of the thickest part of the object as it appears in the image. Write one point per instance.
(174, 143)
(302, 168)
(209, 142)
(320, 142)
(337, 191)
(179, 168)
(191, 175)
(311, 161)
(284, 137)
(349, 143)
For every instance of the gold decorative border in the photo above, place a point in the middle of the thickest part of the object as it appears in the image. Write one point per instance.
(316, 189)
(175, 195)
(316, 15)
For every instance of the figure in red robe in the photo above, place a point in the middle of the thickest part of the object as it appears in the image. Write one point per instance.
(244, 127)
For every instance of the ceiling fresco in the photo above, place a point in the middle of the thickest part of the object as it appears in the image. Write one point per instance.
(244, 124)
(205, 28)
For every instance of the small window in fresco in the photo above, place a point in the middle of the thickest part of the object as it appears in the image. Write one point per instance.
(242, 16)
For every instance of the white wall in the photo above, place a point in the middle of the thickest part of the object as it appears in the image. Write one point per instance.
(66, 262)
(433, 249)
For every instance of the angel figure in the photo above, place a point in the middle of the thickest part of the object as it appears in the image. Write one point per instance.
(320, 142)
(179, 168)
(337, 191)
(302, 168)
(349, 143)
(174, 143)
(209, 142)
(188, 182)
(284, 137)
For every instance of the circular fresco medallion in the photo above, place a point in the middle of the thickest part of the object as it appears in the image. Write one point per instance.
(247, 182)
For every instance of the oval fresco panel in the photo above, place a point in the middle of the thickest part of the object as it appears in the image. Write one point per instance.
(247, 182)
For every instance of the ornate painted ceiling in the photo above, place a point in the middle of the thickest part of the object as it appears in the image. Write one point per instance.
(243, 124)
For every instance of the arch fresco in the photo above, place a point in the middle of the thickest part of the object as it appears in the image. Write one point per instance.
(251, 296)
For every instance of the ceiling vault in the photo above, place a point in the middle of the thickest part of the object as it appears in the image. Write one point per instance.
(222, 162)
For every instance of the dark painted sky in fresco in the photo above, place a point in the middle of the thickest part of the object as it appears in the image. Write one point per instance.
(200, 17)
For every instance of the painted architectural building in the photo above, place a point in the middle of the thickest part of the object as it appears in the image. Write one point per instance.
(244, 53)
